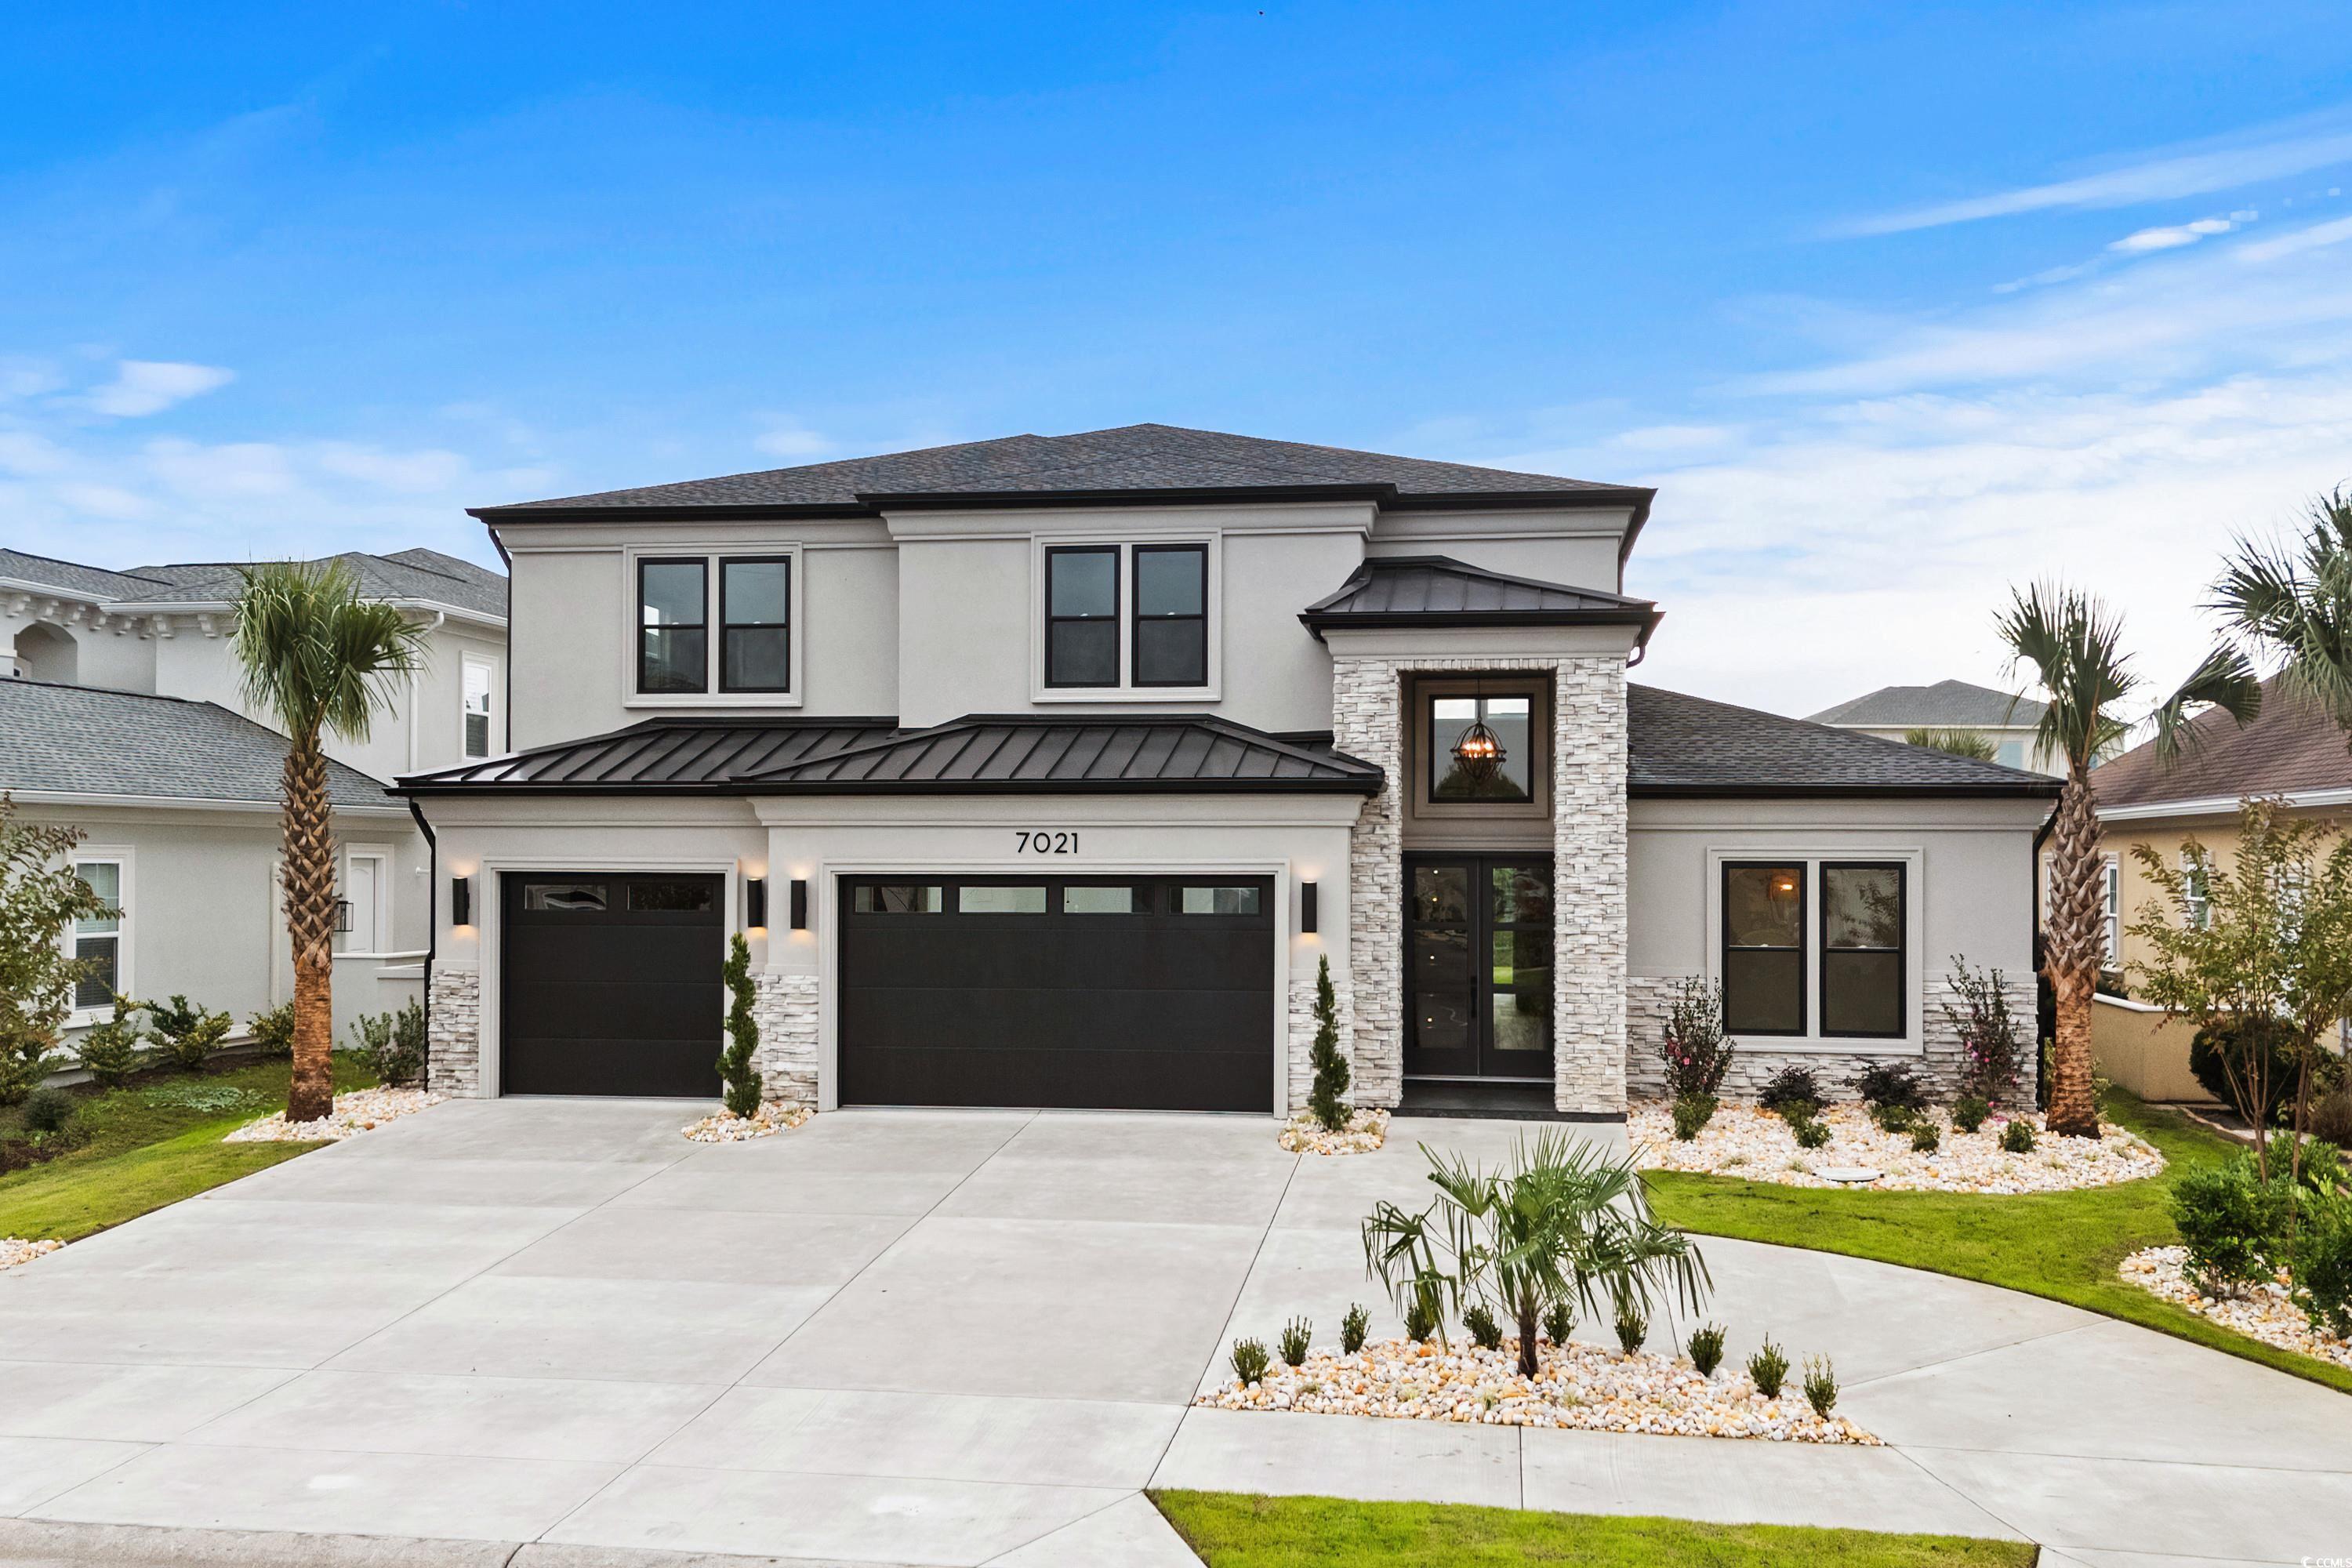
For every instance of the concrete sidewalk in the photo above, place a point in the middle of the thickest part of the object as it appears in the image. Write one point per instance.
(965, 1338)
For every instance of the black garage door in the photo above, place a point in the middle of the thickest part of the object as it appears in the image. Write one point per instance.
(1147, 994)
(610, 985)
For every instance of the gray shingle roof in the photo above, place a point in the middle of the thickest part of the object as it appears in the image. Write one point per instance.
(1437, 589)
(1688, 745)
(1134, 457)
(2291, 746)
(84, 740)
(1945, 705)
(434, 579)
(71, 576)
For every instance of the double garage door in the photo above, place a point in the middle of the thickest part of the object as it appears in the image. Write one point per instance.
(1144, 993)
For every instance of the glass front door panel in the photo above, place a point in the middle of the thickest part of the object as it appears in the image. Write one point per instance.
(1479, 966)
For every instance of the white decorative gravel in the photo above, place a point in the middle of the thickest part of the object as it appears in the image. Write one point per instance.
(362, 1110)
(1577, 1385)
(14, 1252)
(1754, 1144)
(2266, 1312)
(726, 1127)
(1366, 1131)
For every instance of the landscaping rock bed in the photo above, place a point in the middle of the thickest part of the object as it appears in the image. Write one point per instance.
(726, 1127)
(1756, 1146)
(2263, 1312)
(14, 1252)
(1576, 1385)
(362, 1110)
(1366, 1131)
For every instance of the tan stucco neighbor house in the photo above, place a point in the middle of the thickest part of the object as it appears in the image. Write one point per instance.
(1048, 771)
(2006, 720)
(2294, 751)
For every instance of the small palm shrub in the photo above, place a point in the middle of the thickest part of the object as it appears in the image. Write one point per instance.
(1792, 1089)
(1296, 1335)
(1692, 1111)
(1890, 1086)
(1707, 1349)
(110, 1050)
(1769, 1369)
(1812, 1134)
(2017, 1136)
(1632, 1327)
(1420, 1320)
(1693, 1046)
(48, 1109)
(1560, 1322)
(1353, 1328)
(273, 1030)
(1484, 1332)
(1925, 1137)
(740, 1078)
(1820, 1385)
(188, 1033)
(1250, 1361)
(1969, 1113)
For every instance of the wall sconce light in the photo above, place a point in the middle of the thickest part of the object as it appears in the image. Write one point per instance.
(800, 903)
(755, 901)
(461, 900)
(1306, 911)
(344, 915)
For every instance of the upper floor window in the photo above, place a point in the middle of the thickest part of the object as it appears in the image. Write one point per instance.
(2196, 910)
(1126, 616)
(674, 628)
(714, 623)
(755, 606)
(1498, 765)
(481, 684)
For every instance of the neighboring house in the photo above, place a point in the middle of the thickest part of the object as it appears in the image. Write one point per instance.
(125, 719)
(2294, 751)
(1043, 771)
(2007, 721)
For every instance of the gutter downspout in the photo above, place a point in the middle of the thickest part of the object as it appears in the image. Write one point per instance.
(2033, 935)
(432, 923)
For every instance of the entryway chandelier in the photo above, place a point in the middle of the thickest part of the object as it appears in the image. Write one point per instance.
(1478, 751)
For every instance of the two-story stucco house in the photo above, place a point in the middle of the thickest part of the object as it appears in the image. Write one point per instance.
(1045, 771)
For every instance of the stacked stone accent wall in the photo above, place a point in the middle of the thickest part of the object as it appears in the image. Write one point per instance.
(1588, 745)
(785, 1008)
(1649, 996)
(453, 1032)
(1302, 1035)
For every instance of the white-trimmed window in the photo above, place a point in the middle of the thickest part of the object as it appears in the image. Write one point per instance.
(367, 900)
(480, 703)
(2195, 909)
(104, 942)
(1126, 620)
(712, 627)
(2111, 909)
(1818, 946)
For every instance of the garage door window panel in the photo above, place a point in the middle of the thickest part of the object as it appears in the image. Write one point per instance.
(1229, 901)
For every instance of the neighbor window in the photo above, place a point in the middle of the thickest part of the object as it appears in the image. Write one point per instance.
(1509, 719)
(1862, 949)
(2194, 908)
(1082, 617)
(480, 682)
(674, 628)
(2009, 753)
(755, 598)
(2111, 910)
(1171, 614)
(1764, 948)
(364, 885)
(98, 939)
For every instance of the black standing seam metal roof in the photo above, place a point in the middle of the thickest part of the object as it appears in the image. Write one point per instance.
(694, 755)
(1440, 591)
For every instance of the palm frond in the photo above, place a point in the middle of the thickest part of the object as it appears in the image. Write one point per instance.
(2226, 681)
(2071, 646)
(315, 654)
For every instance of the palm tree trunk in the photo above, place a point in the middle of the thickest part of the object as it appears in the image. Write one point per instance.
(1527, 1313)
(309, 880)
(2072, 951)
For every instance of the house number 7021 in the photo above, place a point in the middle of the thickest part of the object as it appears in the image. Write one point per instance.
(1042, 843)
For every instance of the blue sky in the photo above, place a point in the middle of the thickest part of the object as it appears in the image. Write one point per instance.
(1895, 305)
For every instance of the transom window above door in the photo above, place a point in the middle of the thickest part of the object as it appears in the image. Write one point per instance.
(1126, 617)
(716, 627)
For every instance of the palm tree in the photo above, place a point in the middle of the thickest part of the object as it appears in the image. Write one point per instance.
(2294, 604)
(316, 657)
(1973, 745)
(2069, 642)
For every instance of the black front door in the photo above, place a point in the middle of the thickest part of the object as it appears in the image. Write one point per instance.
(610, 983)
(1477, 959)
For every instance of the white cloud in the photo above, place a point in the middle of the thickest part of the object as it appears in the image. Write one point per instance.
(794, 440)
(2173, 236)
(2272, 152)
(140, 388)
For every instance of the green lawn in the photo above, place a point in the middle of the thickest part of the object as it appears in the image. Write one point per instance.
(2064, 1246)
(1230, 1529)
(152, 1145)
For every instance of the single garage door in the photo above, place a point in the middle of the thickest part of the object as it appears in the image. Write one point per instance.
(610, 985)
(1146, 994)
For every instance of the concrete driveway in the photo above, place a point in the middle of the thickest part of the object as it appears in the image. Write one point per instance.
(554, 1331)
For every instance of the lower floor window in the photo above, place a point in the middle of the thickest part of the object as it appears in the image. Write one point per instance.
(98, 941)
(1783, 967)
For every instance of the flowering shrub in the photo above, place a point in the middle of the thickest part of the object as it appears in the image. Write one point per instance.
(1693, 1047)
(1988, 1048)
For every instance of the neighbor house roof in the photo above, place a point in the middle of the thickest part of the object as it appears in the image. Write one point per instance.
(1021, 753)
(1947, 704)
(1682, 745)
(2293, 747)
(412, 576)
(89, 741)
(1158, 461)
(70, 576)
(1439, 591)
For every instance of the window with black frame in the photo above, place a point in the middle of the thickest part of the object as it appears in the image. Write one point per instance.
(1862, 949)
(673, 625)
(1082, 616)
(755, 601)
(1764, 948)
(1171, 614)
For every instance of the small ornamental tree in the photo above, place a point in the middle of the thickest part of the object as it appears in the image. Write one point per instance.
(743, 1080)
(40, 897)
(1693, 1047)
(109, 1051)
(1988, 1032)
(1329, 1097)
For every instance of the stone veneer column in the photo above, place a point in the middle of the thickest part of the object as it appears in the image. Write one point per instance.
(453, 1032)
(785, 1008)
(1367, 700)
